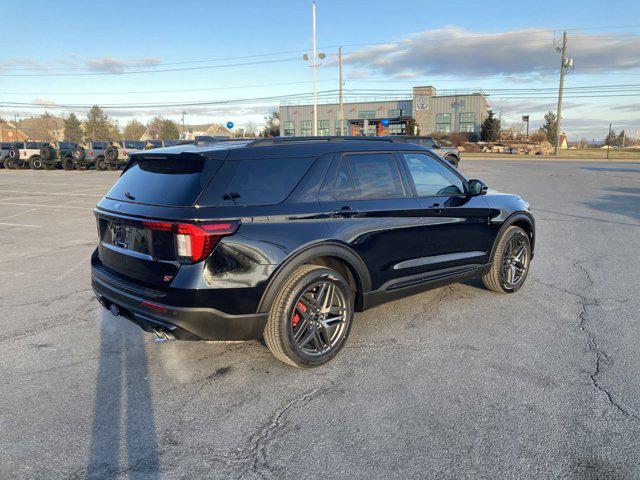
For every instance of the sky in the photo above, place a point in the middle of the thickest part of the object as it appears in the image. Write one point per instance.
(233, 61)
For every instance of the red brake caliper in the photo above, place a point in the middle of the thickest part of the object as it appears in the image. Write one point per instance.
(296, 316)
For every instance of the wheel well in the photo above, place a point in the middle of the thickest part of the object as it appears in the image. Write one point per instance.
(344, 269)
(528, 228)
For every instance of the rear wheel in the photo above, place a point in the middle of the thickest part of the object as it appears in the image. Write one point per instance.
(82, 166)
(67, 163)
(112, 167)
(35, 163)
(310, 317)
(510, 262)
(7, 163)
(101, 164)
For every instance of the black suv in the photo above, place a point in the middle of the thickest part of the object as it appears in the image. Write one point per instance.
(283, 239)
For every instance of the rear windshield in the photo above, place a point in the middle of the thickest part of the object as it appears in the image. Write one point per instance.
(175, 180)
(32, 145)
(138, 145)
(98, 145)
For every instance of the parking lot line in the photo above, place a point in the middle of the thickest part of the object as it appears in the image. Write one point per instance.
(46, 206)
(20, 225)
(65, 194)
(18, 214)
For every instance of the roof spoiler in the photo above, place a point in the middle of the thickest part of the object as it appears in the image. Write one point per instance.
(284, 140)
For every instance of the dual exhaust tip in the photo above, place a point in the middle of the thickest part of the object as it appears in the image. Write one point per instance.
(163, 335)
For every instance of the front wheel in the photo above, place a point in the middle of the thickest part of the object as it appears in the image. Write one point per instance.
(101, 165)
(8, 164)
(510, 262)
(67, 163)
(35, 163)
(310, 317)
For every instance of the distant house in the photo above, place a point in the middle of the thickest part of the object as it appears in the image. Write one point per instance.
(45, 128)
(562, 143)
(213, 130)
(8, 133)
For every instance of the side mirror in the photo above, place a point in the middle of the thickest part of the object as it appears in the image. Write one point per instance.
(477, 187)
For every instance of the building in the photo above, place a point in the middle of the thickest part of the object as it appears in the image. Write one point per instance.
(431, 112)
(8, 133)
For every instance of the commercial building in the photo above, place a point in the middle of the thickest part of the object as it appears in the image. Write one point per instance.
(431, 112)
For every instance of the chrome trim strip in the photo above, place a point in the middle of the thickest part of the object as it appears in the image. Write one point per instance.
(448, 257)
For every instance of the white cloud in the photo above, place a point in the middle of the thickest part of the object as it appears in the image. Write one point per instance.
(457, 51)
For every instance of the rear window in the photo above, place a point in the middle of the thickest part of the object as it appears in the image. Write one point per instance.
(98, 145)
(32, 145)
(375, 175)
(265, 182)
(175, 180)
(138, 145)
(67, 145)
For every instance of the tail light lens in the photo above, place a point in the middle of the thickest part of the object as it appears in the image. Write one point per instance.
(90, 153)
(124, 153)
(195, 241)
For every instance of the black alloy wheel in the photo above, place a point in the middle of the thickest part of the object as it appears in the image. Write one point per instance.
(310, 318)
(510, 262)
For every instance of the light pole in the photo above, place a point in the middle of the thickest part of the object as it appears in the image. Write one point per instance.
(315, 75)
(183, 129)
(15, 124)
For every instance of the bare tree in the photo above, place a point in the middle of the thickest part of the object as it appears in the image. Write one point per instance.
(250, 128)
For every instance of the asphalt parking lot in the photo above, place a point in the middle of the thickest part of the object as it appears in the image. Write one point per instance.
(457, 382)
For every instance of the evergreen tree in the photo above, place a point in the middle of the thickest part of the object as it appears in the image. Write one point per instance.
(621, 140)
(72, 128)
(98, 126)
(550, 127)
(490, 128)
(611, 139)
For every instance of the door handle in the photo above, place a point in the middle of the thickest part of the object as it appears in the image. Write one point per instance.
(345, 212)
(435, 209)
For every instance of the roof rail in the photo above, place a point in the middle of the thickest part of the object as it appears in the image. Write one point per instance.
(283, 140)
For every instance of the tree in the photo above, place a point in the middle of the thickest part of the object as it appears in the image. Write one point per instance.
(98, 126)
(412, 128)
(620, 141)
(273, 125)
(550, 128)
(250, 128)
(163, 129)
(134, 130)
(490, 128)
(611, 139)
(72, 128)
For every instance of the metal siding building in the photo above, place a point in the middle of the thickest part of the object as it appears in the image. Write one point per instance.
(432, 113)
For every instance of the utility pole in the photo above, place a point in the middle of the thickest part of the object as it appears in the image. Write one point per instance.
(341, 104)
(563, 66)
(15, 124)
(183, 129)
(315, 75)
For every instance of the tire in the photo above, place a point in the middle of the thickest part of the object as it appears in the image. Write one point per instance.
(297, 294)
(79, 154)
(35, 163)
(48, 166)
(112, 167)
(46, 153)
(14, 154)
(68, 163)
(497, 279)
(101, 165)
(452, 160)
(82, 166)
(7, 163)
(111, 153)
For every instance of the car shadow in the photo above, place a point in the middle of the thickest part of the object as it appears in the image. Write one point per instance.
(618, 200)
(122, 403)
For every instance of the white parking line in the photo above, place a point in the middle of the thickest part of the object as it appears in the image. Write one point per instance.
(47, 194)
(20, 225)
(88, 209)
(18, 214)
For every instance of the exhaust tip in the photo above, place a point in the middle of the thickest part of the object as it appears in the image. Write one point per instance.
(163, 336)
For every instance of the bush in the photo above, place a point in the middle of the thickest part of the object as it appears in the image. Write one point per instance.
(537, 137)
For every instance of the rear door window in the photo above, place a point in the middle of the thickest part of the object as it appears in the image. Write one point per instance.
(174, 180)
(375, 176)
(265, 181)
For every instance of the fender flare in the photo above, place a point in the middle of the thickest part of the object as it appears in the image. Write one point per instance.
(511, 219)
(325, 249)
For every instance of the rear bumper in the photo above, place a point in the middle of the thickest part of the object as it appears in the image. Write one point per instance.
(183, 323)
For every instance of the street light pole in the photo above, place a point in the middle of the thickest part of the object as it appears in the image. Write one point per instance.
(183, 129)
(341, 104)
(315, 75)
(15, 124)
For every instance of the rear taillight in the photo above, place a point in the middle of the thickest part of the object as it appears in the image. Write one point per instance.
(195, 241)
(124, 153)
(90, 153)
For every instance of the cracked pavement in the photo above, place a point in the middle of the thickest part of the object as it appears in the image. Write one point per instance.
(456, 383)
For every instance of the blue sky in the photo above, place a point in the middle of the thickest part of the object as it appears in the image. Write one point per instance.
(452, 45)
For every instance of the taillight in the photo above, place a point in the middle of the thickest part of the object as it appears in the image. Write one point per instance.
(90, 153)
(195, 241)
(124, 153)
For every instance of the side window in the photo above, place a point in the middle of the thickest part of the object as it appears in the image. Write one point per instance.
(431, 178)
(343, 186)
(375, 175)
(264, 181)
